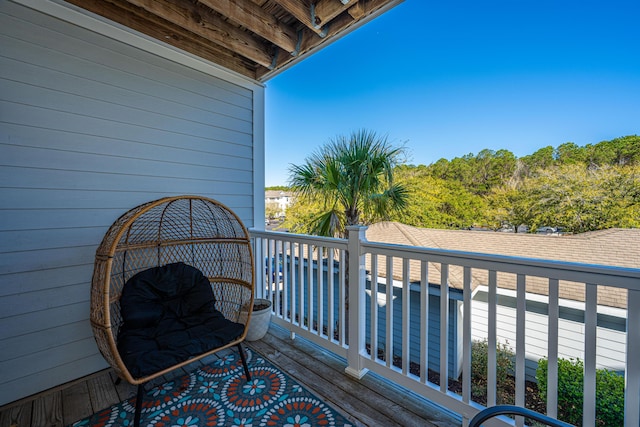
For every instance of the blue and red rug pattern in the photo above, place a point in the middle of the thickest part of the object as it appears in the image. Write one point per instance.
(218, 394)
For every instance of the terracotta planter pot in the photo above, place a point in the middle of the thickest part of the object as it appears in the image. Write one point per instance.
(260, 320)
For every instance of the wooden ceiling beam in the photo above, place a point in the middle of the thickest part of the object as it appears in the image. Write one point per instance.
(356, 12)
(326, 10)
(255, 19)
(302, 13)
(205, 24)
(343, 21)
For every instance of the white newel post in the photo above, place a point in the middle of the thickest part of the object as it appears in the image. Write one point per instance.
(357, 313)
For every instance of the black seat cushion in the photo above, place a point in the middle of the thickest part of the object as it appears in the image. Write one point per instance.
(168, 317)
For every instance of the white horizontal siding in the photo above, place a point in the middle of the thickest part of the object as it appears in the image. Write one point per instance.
(610, 351)
(89, 128)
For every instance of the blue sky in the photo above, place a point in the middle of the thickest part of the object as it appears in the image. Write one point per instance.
(448, 78)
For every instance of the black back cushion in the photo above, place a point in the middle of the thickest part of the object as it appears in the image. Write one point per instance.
(168, 317)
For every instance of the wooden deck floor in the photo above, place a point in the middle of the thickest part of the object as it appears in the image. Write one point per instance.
(368, 402)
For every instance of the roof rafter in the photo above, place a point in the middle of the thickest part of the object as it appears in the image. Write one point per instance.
(262, 23)
(302, 13)
(326, 10)
(199, 21)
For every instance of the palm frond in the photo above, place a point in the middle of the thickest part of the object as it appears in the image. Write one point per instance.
(352, 175)
(329, 224)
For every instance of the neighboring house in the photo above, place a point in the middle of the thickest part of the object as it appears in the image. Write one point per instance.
(278, 200)
(106, 108)
(615, 247)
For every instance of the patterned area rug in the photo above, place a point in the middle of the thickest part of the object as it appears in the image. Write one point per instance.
(218, 395)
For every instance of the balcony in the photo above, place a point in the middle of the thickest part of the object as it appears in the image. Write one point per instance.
(422, 332)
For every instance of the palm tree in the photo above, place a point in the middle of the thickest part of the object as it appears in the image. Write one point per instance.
(353, 176)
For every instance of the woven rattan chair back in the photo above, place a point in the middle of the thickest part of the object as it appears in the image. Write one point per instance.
(195, 230)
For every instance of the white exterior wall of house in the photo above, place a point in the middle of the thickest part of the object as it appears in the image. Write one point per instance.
(611, 335)
(94, 120)
(278, 199)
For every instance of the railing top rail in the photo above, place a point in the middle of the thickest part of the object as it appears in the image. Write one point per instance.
(300, 238)
(563, 270)
(622, 277)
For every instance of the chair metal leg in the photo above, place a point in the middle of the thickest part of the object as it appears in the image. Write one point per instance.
(139, 397)
(244, 362)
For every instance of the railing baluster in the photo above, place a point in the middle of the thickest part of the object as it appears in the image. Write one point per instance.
(590, 348)
(424, 321)
(293, 249)
(492, 340)
(521, 308)
(444, 327)
(330, 295)
(300, 310)
(552, 351)
(269, 261)
(320, 290)
(285, 276)
(309, 288)
(632, 373)
(466, 336)
(286, 249)
(258, 256)
(341, 298)
(277, 258)
(373, 327)
(389, 309)
(406, 325)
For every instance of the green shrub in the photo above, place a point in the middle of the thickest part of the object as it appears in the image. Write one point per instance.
(504, 374)
(609, 398)
(609, 392)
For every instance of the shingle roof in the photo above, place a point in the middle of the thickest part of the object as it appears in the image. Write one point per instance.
(613, 247)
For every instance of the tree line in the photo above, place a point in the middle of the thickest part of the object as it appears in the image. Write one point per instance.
(576, 188)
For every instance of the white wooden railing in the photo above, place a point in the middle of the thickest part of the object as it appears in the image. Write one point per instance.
(416, 325)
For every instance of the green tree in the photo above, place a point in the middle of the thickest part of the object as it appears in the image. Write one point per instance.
(492, 168)
(277, 188)
(581, 199)
(511, 205)
(437, 203)
(477, 173)
(617, 152)
(301, 214)
(570, 153)
(271, 210)
(353, 177)
(541, 159)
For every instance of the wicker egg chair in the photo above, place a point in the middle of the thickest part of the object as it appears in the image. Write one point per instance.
(196, 231)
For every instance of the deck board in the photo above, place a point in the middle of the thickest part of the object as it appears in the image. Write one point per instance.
(18, 415)
(379, 399)
(76, 404)
(47, 410)
(370, 401)
(102, 393)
